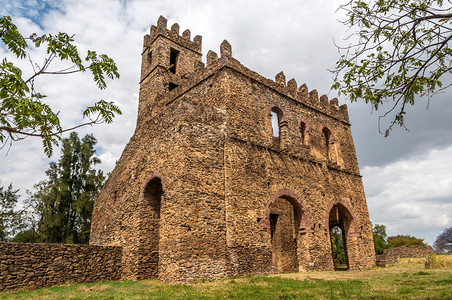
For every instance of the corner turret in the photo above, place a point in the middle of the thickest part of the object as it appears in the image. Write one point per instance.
(167, 59)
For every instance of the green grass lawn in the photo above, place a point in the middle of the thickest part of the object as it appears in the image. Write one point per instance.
(400, 281)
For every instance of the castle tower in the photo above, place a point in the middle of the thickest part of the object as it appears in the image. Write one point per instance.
(167, 59)
(229, 173)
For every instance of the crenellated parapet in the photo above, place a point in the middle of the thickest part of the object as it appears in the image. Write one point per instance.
(290, 89)
(193, 70)
(173, 35)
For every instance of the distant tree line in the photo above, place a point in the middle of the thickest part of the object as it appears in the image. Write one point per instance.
(59, 209)
(382, 241)
(442, 244)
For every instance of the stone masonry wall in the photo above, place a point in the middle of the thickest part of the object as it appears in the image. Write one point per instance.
(393, 255)
(204, 133)
(258, 167)
(28, 266)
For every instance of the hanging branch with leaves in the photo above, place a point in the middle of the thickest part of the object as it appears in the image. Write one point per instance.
(23, 112)
(398, 52)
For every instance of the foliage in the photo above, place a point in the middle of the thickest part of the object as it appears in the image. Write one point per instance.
(401, 240)
(64, 202)
(26, 236)
(337, 244)
(398, 51)
(10, 218)
(443, 242)
(440, 261)
(23, 111)
(380, 238)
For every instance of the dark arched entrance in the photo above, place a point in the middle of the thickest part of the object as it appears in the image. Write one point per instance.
(152, 196)
(284, 230)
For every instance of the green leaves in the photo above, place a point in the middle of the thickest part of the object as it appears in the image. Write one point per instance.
(401, 53)
(106, 111)
(100, 65)
(61, 46)
(380, 238)
(11, 37)
(23, 112)
(401, 239)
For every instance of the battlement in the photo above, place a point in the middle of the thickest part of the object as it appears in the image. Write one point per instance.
(173, 35)
(290, 89)
(322, 103)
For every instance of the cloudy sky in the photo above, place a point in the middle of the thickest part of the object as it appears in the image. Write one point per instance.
(407, 176)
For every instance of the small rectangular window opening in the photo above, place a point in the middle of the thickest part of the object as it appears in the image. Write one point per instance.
(173, 60)
(172, 86)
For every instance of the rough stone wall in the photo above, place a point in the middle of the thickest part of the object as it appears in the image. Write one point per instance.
(209, 140)
(258, 167)
(184, 147)
(393, 255)
(28, 266)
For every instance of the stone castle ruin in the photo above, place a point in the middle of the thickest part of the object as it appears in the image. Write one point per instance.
(229, 173)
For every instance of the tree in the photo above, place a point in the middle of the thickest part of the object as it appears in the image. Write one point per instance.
(29, 222)
(23, 111)
(380, 238)
(443, 242)
(337, 244)
(399, 51)
(26, 236)
(401, 240)
(64, 202)
(10, 219)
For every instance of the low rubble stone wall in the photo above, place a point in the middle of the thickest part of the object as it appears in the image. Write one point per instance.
(393, 255)
(28, 266)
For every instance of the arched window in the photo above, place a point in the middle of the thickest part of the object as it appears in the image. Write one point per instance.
(326, 139)
(276, 117)
(303, 131)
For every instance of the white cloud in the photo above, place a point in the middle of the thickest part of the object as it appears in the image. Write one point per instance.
(412, 195)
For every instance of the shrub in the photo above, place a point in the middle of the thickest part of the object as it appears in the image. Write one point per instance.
(440, 261)
(404, 239)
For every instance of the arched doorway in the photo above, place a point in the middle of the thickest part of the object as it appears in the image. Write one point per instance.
(284, 231)
(339, 221)
(152, 196)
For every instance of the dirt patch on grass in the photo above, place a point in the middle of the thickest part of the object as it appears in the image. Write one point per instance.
(95, 288)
